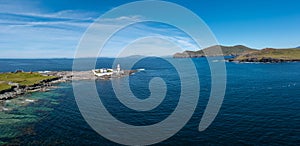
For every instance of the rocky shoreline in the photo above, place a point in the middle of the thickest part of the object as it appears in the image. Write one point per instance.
(15, 91)
(60, 77)
(263, 60)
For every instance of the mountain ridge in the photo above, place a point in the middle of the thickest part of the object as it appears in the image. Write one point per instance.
(214, 51)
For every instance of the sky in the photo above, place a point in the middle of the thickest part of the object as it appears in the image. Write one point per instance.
(53, 28)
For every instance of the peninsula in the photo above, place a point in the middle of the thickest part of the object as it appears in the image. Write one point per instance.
(17, 83)
(242, 53)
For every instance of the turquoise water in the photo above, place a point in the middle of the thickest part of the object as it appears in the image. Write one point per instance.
(261, 106)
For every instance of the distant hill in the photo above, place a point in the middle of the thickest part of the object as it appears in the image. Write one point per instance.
(227, 51)
(270, 55)
(298, 47)
(245, 54)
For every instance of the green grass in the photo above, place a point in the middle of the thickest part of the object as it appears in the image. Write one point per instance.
(284, 54)
(4, 86)
(24, 79)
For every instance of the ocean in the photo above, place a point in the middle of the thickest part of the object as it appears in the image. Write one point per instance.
(261, 105)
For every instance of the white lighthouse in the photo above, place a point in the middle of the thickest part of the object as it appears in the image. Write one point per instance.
(118, 68)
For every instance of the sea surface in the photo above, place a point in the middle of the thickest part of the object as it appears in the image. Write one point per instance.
(261, 105)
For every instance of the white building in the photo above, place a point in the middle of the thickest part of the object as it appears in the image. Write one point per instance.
(107, 71)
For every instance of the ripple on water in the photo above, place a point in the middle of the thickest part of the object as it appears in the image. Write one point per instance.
(17, 114)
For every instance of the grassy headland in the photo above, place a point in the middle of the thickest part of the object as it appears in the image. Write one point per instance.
(21, 78)
(269, 55)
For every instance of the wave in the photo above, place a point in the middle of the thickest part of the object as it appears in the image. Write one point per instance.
(141, 69)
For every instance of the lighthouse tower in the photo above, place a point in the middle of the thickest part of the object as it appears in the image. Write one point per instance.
(118, 68)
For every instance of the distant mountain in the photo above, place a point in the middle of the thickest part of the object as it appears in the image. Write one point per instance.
(134, 56)
(245, 54)
(211, 51)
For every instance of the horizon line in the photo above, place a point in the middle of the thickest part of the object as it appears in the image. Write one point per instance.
(142, 55)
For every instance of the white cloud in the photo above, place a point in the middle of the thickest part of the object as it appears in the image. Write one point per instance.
(26, 31)
(155, 37)
(30, 32)
(149, 46)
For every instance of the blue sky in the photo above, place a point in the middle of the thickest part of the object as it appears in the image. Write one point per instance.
(53, 28)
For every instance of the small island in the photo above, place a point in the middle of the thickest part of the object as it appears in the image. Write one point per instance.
(240, 53)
